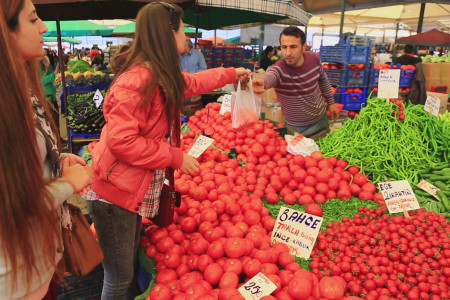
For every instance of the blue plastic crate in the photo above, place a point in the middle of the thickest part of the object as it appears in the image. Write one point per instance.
(143, 279)
(353, 101)
(87, 287)
(373, 77)
(79, 89)
(406, 78)
(218, 50)
(350, 78)
(346, 53)
(101, 86)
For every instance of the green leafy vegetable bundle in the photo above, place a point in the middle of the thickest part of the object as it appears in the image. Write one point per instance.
(386, 148)
(80, 66)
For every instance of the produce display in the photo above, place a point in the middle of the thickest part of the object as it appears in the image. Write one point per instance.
(80, 66)
(387, 257)
(388, 144)
(83, 115)
(439, 176)
(436, 58)
(85, 78)
(221, 234)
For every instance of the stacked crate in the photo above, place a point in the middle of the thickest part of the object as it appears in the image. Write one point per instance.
(347, 67)
(238, 56)
(406, 78)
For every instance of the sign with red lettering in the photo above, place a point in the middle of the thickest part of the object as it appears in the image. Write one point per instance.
(399, 196)
(257, 287)
(296, 229)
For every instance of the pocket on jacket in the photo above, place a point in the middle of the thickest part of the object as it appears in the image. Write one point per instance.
(122, 175)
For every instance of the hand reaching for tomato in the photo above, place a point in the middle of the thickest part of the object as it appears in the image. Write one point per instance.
(189, 164)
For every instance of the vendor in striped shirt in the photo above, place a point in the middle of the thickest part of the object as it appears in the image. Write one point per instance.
(301, 85)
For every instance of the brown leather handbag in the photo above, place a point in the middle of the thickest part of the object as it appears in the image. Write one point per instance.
(167, 202)
(82, 253)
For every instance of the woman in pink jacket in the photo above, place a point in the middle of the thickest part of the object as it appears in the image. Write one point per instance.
(142, 111)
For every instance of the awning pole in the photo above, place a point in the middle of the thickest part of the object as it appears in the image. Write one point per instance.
(261, 43)
(341, 27)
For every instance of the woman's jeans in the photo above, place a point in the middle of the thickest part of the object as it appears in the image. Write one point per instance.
(118, 233)
(309, 130)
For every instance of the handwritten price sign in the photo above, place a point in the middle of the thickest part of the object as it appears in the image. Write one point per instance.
(388, 83)
(226, 104)
(399, 196)
(257, 287)
(201, 144)
(98, 98)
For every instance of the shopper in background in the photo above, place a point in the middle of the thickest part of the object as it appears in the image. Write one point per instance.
(408, 58)
(94, 52)
(192, 60)
(47, 75)
(32, 183)
(142, 110)
(266, 60)
(300, 84)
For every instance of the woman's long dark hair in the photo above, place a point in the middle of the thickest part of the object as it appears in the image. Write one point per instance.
(29, 226)
(155, 44)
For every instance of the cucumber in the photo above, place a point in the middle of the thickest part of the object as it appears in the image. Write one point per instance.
(439, 166)
(438, 178)
(421, 193)
(444, 200)
(440, 185)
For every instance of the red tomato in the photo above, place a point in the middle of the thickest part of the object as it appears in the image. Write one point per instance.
(299, 288)
(213, 273)
(228, 280)
(314, 209)
(332, 287)
(252, 267)
(160, 292)
(234, 247)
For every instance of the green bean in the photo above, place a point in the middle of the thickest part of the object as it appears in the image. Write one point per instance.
(384, 147)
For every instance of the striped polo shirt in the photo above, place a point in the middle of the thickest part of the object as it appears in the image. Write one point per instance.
(299, 89)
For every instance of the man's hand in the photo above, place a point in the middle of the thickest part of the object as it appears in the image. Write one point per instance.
(258, 86)
(334, 112)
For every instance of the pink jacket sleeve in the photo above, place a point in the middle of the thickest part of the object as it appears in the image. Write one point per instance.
(208, 80)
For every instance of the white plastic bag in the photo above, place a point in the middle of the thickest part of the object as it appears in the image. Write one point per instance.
(300, 145)
(245, 107)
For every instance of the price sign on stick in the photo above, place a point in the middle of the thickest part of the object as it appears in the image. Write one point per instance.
(98, 98)
(257, 287)
(296, 229)
(399, 196)
(432, 105)
(201, 144)
(388, 83)
(226, 104)
(429, 188)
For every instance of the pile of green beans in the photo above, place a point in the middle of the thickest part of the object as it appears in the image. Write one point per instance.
(388, 149)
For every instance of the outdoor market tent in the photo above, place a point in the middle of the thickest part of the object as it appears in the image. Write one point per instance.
(387, 17)
(128, 30)
(77, 28)
(63, 39)
(215, 14)
(432, 38)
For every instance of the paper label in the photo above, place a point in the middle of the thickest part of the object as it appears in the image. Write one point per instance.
(399, 196)
(432, 105)
(226, 104)
(98, 98)
(388, 83)
(257, 287)
(200, 145)
(429, 188)
(296, 229)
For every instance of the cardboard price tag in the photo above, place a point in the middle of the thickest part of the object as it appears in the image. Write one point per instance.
(296, 229)
(226, 104)
(432, 105)
(98, 98)
(429, 188)
(201, 144)
(388, 83)
(399, 196)
(257, 287)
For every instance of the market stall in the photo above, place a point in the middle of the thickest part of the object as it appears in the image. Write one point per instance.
(226, 230)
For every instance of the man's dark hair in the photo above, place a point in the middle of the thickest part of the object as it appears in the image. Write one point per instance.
(294, 31)
(408, 49)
